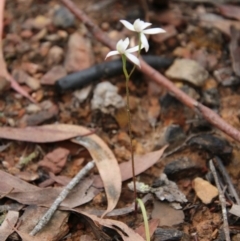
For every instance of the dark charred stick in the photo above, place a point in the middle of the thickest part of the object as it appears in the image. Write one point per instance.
(222, 201)
(227, 178)
(105, 70)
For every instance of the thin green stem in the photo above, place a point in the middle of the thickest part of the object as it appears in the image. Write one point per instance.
(138, 55)
(139, 45)
(127, 76)
(134, 67)
(145, 219)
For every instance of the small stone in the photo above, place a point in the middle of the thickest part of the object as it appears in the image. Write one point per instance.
(105, 26)
(31, 68)
(188, 70)
(11, 122)
(79, 53)
(83, 93)
(22, 77)
(182, 52)
(39, 117)
(115, 35)
(40, 35)
(33, 108)
(55, 55)
(123, 138)
(46, 104)
(9, 51)
(63, 18)
(141, 187)
(4, 84)
(106, 98)
(40, 22)
(52, 37)
(33, 83)
(23, 47)
(62, 34)
(53, 75)
(38, 95)
(26, 34)
(44, 49)
(204, 190)
(190, 92)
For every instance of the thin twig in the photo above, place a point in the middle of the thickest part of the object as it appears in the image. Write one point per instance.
(47, 216)
(227, 178)
(222, 201)
(207, 113)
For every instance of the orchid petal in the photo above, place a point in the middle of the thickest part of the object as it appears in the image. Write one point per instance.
(138, 25)
(133, 49)
(127, 25)
(111, 53)
(120, 46)
(154, 31)
(133, 59)
(145, 25)
(126, 43)
(144, 42)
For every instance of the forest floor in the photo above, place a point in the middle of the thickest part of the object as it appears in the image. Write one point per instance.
(53, 123)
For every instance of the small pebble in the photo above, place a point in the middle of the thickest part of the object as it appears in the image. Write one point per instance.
(63, 18)
(26, 34)
(44, 48)
(55, 55)
(62, 34)
(105, 26)
(204, 190)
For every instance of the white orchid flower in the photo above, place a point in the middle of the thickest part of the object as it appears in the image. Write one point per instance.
(121, 49)
(139, 27)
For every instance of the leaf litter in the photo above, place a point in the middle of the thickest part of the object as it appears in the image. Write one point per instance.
(10, 220)
(204, 33)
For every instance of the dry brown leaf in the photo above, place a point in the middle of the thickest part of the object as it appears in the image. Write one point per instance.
(213, 20)
(122, 229)
(105, 160)
(25, 193)
(231, 11)
(7, 225)
(55, 230)
(27, 237)
(142, 163)
(43, 134)
(10, 183)
(54, 161)
(107, 166)
(119, 211)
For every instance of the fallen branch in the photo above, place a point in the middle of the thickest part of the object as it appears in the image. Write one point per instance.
(47, 216)
(200, 109)
(4, 72)
(222, 201)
